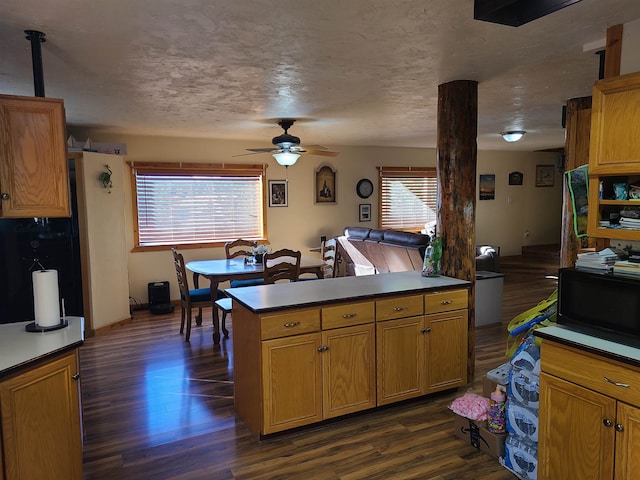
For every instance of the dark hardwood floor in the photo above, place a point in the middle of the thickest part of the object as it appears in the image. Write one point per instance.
(156, 407)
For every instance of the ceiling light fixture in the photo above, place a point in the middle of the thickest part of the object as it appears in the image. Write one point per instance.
(286, 158)
(513, 135)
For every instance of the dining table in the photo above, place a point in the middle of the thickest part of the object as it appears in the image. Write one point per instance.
(222, 270)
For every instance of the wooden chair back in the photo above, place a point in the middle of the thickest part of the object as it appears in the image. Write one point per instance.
(239, 248)
(329, 248)
(181, 274)
(198, 300)
(281, 265)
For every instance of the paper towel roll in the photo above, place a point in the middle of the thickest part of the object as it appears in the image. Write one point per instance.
(46, 300)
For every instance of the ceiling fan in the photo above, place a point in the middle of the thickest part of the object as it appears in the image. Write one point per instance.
(287, 147)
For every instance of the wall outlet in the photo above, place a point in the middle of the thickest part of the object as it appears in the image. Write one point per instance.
(526, 234)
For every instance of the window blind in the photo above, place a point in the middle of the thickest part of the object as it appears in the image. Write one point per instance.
(190, 209)
(408, 198)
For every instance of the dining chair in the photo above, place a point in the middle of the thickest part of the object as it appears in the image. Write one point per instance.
(282, 264)
(225, 305)
(239, 248)
(328, 249)
(242, 248)
(189, 299)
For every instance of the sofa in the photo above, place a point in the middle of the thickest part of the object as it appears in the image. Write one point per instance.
(367, 251)
(487, 258)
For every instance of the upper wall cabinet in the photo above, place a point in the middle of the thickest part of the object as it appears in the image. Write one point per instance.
(615, 126)
(34, 178)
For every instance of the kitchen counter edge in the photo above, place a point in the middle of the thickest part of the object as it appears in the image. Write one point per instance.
(614, 347)
(266, 298)
(19, 348)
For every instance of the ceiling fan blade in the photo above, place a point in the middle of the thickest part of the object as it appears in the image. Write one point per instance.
(325, 153)
(261, 150)
(315, 147)
(254, 151)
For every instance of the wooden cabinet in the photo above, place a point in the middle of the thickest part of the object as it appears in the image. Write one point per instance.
(308, 377)
(322, 362)
(446, 350)
(292, 382)
(589, 423)
(34, 179)
(400, 359)
(348, 369)
(614, 151)
(421, 354)
(41, 431)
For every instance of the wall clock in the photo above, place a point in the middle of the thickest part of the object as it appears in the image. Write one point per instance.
(364, 188)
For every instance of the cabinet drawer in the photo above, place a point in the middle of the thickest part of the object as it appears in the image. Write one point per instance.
(592, 372)
(347, 315)
(399, 307)
(290, 323)
(445, 301)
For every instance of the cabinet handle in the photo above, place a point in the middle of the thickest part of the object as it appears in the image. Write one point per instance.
(619, 428)
(446, 302)
(607, 423)
(617, 384)
(76, 376)
(399, 309)
(292, 324)
(349, 315)
(4, 196)
(425, 330)
(323, 348)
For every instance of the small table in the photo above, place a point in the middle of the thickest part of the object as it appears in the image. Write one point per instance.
(233, 269)
(488, 295)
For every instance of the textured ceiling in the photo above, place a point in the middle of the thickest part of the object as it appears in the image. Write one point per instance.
(355, 72)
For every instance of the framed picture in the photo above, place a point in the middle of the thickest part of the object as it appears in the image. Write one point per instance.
(325, 185)
(487, 187)
(545, 175)
(278, 193)
(515, 178)
(365, 212)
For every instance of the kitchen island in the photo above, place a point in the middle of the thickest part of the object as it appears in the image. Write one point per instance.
(309, 351)
(40, 402)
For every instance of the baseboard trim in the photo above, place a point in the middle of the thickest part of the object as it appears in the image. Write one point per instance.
(113, 326)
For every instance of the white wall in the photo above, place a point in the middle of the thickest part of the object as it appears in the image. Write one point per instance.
(103, 215)
(301, 224)
(630, 55)
(520, 214)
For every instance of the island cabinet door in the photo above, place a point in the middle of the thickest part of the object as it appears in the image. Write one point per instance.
(577, 433)
(446, 350)
(291, 382)
(400, 359)
(349, 369)
(41, 436)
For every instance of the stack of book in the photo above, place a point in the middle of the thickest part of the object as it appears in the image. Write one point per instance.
(602, 261)
(630, 223)
(625, 267)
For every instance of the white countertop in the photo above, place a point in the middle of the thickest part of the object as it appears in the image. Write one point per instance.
(19, 347)
(313, 292)
(594, 342)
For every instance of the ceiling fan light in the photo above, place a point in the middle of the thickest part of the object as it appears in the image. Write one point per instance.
(286, 158)
(513, 135)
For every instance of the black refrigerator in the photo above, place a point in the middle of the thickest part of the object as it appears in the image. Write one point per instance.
(28, 244)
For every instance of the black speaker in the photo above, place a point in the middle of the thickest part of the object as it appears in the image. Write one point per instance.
(159, 297)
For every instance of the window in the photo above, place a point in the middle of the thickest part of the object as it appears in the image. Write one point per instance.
(196, 204)
(408, 197)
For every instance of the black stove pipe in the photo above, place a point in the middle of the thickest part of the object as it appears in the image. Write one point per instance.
(36, 38)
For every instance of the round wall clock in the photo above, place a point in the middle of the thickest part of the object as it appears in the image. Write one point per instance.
(364, 188)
